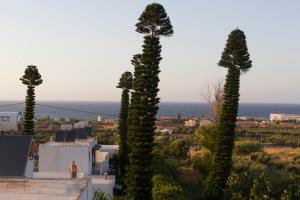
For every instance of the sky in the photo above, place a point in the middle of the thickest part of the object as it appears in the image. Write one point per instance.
(82, 47)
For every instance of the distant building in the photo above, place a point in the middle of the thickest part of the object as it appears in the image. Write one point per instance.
(166, 131)
(81, 124)
(190, 123)
(66, 127)
(242, 118)
(100, 118)
(284, 117)
(205, 122)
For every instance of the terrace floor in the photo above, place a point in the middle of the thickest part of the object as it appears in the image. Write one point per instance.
(42, 189)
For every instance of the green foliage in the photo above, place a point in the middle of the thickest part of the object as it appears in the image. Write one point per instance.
(143, 108)
(261, 189)
(239, 185)
(99, 195)
(31, 78)
(202, 163)
(292, 191)
(165, 189)
(164, 184)
(40, 138)
(125, 81)
(206, 137)
(126, 84)
(179, 148)
(246, 147)
(105, 137)
(235, 58)
(154, 21)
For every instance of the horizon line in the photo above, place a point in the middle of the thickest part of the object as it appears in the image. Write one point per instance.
(113, 101)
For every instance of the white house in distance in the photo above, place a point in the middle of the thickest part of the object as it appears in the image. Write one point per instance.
(284, 117)
(190, 123)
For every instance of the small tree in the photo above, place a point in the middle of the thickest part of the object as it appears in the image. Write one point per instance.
(125, 83)
(31, 78)
(213, 95)
(179, 148)
(206, 137)
(236, 59)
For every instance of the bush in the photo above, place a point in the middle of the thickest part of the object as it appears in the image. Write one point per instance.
(261, 189)
(241, 164)
(202, 163)
(238, 186)
(179, 148)
(164, 188)
(164, 185)
(206, 137)
(99, 195)
(246, 147)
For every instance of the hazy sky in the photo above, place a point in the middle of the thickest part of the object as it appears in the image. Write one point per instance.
(82, 47)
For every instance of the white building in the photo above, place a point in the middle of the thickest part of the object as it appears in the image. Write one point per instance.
(100, 118)
(81, 124)
(57, 156)
(66, 127)
(205, 122)
(284, 117)
(111, 149)
(11, 121)
(190, 123)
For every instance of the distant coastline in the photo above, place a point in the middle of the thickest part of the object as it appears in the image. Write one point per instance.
(187, 109)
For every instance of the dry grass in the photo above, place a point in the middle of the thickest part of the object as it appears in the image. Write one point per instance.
(286, 154)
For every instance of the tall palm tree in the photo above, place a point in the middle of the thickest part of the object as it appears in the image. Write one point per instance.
(236, 59)
(154, 23)
(125, 83)
(31, 78)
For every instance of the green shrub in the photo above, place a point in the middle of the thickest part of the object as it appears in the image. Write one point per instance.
(179, 148)
(202, 163)
(99, 195)
(246, 147)
(257, 167)
(238, 186)
(261, 189)
(241, 164)
(206, 136)
(164, 188)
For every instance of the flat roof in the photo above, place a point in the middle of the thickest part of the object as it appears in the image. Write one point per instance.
(77, 142)
(45, 189)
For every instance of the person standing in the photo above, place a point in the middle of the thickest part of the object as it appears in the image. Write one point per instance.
(73, 169)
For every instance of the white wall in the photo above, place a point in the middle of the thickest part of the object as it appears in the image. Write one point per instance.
(102, 161)
(111, 149)
(57, 175)
(29, 169)
(57, 158)
(105, 185)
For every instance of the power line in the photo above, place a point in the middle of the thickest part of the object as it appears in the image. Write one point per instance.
(60, 108)
(75, 110)
(13, 104)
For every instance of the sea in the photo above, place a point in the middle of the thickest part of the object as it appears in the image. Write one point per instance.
(90, 110)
